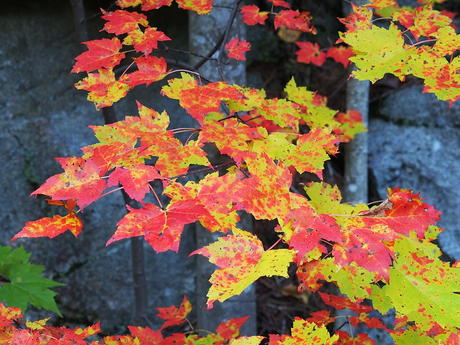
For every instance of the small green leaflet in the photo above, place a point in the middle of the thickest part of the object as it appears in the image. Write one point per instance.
(25, 282)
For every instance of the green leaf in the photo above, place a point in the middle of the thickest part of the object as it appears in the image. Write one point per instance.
(25, 282)
(423, 287)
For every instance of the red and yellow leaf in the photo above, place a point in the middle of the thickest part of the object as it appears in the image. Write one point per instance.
(173, 315)
(146, 41)
(161, 228)
(51, 227)
(241, 263)
(81, 180)
(199, 6)
(104, 89)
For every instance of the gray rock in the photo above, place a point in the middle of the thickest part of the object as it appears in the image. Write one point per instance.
(414, 144)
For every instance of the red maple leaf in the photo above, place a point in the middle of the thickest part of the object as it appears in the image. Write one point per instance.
(121, 22)
(143, 335)
(252, 15)
(135, 180)
(236, 49)
(321, 318)
(402, 213)
(81, 180)
(175, 316)
(280, 3)
(340, 54)
(104, 53)
(145, 42)
(150, 69)
(295, 20)
(310, 53)
(231, 329)
(161, 228)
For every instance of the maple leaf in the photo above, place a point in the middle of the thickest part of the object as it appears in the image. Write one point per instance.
(51, 227)
(236, 49)
(280, 3)
(422, 21)
(304, 332)
(359, 19)
(142, 335)
(423, 287)
(378, 51)
(145, 42)
(81, 180)
(350, 125)
(321, 318)
(104, 89)
(214, 192)
(200, 100)
(379, 4)
(150, 69)
(295, 20)
(241, 263)
(352, 280)
(161, 228)
(252, 15)
(175, 316)
(135, 180)
(8, 315)
(231, 329)
(148, 5)
(266, 197)
(103, 53)
(340, 54)
(310, 53)
(199, 6)
(121, 22)
(231, 137)
(88, 331)
(308, 230)
(128, 3)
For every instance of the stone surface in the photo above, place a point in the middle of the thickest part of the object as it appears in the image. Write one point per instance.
(414, 143)
(43, 116)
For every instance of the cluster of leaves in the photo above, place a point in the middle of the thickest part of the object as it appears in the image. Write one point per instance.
(413, 41)
(16, 332)
(383, 253)
(22, 282)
